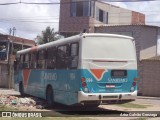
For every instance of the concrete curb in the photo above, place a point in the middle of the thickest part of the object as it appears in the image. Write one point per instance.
(147, 97)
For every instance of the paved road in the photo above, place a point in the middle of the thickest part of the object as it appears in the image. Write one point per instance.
(153, 104)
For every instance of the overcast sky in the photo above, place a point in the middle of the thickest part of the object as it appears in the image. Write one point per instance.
(29, 20)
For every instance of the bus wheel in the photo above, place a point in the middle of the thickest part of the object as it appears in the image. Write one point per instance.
(21, 89)
(49, 97)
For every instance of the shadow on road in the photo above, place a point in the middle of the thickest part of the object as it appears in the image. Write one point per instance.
(59, 110)
(62, 110)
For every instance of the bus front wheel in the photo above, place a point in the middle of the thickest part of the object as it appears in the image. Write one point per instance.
(49, 97)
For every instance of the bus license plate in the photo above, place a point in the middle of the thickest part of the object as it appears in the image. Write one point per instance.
(110, 86)
(118, 73)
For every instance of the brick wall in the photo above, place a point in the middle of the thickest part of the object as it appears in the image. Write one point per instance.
(17, 40)
(138, 18)
(116, 15)
(71, 24)
(151, 78)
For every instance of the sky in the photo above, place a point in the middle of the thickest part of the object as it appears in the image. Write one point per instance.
(30, 20)
(151, 10)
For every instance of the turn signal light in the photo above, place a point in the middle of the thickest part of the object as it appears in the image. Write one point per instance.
(135, 79)
(83, 80)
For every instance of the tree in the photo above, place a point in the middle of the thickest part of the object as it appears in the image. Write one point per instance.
(48, 35)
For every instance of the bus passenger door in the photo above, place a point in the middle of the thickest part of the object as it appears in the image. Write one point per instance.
(73, 73)
(62, 72)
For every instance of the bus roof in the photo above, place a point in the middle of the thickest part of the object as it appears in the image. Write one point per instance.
(75, 38)
(106, 35)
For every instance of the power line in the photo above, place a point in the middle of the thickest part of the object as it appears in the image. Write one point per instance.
(28, 21)
(128, 0)
(55, 3)
(71, 23)
(9, 3)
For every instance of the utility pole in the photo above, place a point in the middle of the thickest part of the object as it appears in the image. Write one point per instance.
(10, 62)
(14, 29)
(10, 31)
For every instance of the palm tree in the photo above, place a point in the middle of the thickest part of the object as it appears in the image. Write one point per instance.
(48, 35)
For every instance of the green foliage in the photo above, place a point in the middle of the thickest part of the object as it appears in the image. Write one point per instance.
(48, 35)
(6, 108)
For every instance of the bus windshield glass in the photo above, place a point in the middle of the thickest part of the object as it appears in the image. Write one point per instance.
(109, 48)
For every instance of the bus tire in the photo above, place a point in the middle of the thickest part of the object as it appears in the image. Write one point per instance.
(49, 97)
(21, 89)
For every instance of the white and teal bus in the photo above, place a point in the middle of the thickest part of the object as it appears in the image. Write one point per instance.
(87, 69)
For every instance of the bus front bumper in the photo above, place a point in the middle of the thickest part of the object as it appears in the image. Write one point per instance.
(104, 97)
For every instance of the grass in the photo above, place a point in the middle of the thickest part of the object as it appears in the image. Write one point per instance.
(132, 105)
(6, 108)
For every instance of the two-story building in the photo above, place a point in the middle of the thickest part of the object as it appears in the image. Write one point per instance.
(77, 15)
(9, 45)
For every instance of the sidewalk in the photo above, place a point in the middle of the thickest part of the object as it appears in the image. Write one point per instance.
(147, 97)
(5, 91)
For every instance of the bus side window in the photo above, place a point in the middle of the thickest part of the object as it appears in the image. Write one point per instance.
(21, 61)
(16, 65)
(62, 57)
(41, 59)
(33, 63)
(26, 61)
(73, 64)
(51, 58)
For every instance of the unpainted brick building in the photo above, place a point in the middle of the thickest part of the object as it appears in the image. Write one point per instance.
(77, 15)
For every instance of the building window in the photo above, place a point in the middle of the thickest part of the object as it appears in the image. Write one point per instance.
(21, 61)
(80, 8)
(74, 56)
(92, 8)
(33, 63)
(51, 58)
(102, 16)
(41, 59)
(62, 57)
(26, 61)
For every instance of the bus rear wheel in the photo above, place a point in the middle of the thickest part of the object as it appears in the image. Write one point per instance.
(49, 97)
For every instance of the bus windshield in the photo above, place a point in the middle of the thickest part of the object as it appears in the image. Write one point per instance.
(110, 48)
